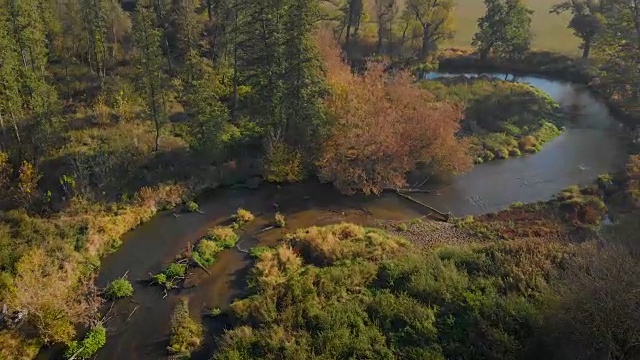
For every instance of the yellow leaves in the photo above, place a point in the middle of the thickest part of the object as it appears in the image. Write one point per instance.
(15, 347)
(52, 295)
(282, 163)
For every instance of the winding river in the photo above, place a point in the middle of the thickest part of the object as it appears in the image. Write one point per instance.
(139, 326)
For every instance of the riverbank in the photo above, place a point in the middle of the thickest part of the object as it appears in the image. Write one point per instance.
(171, 235)
(539, 63)
(502, 119)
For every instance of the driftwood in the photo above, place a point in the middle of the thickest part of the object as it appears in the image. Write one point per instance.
(408, 190)
(134, 310)
(443, 215)
(415, 191)
(202, 267)
(265, 229)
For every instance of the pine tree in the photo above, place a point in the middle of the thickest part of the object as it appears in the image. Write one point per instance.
(262, 68)
(303, 86)
(188, 30)
(150, 65)
(209, 127)
(39, 98)
(10, 95)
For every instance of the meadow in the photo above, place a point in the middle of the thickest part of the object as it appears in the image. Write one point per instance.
(550, 30)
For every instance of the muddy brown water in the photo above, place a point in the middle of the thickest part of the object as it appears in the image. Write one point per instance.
(139, 327)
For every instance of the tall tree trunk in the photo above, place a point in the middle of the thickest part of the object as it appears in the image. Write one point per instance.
(3, 141)
(234, 109)
(380, 33)
(348, 36)
(209, 10)
(403, 39)
(586, 48)
(424, 50)
(17, 133)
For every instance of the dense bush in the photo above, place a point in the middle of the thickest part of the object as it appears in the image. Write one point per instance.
(256, 252)
(192, 206)
(119, 288)
(186, 334)
(224, 236)
(243, 216)
(280, 220)
(170, 275)
(344, 291)
(583, 207)
(205, 252)
(90, 344)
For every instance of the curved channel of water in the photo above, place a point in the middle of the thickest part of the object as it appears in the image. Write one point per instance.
(140, 326)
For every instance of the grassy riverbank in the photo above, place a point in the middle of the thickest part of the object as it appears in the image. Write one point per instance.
(389, 299)
(532, 281)
(549, 64)
(501, 118)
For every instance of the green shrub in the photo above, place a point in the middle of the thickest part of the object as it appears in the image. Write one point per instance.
(224, 236)
(402, 227)
(186, 335)
(255, 252)
(279, 220)
(192, 206)
(515, 152)
(281, 163)
(215, 312)
(119, 288)
(243, 216)
(175, 270)
(205, 253)
(160, 279)
(92, 342)
(502, 153)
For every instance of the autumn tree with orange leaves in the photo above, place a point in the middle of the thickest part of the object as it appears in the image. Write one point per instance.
(383, 126)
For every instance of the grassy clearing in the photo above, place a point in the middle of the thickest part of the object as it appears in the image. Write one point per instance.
(550, 30)
(503, 119)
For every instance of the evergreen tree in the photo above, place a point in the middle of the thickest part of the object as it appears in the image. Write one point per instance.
(10, 96)
(303, 85)
(188, 29)
(262, 69)
(151, 74)
(209, 127)
(39, 98)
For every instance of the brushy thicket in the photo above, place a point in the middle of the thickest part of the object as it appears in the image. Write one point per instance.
(502, 118)
(186, 334)
(90, 344)
(345, 291)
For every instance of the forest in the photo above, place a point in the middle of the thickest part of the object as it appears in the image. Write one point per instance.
(111, 112)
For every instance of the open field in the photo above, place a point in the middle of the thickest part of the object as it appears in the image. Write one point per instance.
(550, 30)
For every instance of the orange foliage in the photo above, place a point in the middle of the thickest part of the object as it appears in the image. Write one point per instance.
(383, 126)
